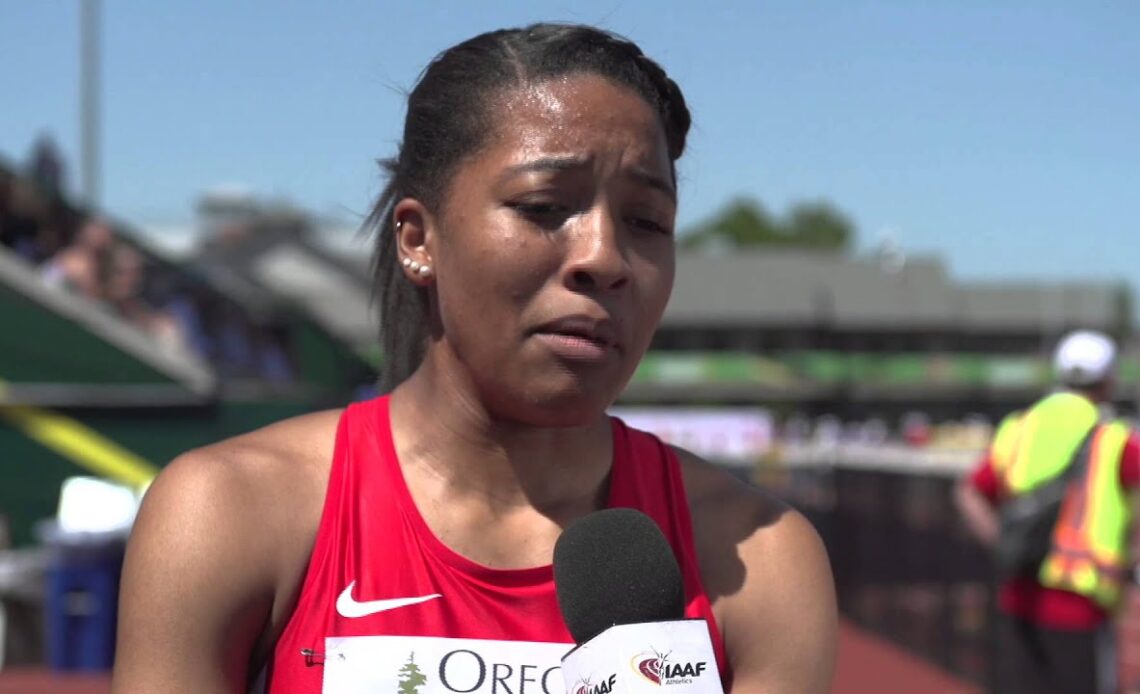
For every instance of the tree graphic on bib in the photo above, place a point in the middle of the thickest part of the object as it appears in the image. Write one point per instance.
(411, 679)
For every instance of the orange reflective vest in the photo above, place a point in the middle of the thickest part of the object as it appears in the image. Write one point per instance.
(1089, 552)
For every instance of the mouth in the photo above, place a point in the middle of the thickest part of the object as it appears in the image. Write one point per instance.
(598, 334)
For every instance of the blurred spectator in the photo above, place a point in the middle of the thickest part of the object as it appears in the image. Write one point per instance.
(828, 431)
(273, 362)
(1061, 545)
(17, 228)
(916, 429)
(797, 429)
(236, 351)
(179, 311)
(123, 293)
(189, 309)
(82, 266)
(873, 432)
(46, 166)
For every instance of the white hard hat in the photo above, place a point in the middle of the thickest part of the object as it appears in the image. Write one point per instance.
(1084, 358)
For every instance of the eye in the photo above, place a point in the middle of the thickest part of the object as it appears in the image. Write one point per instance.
(546, 214)
(646, 224)
(538, 209)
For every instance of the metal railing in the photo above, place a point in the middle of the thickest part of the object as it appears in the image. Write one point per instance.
(905, 567)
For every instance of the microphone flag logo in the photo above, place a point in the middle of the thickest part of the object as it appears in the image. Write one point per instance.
(656, 667)
(585, 686)
(649, 665)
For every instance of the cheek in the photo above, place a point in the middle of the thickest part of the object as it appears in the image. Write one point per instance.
(494, 281)
(657, 284)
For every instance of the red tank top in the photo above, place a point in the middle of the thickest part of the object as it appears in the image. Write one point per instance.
(385, 606)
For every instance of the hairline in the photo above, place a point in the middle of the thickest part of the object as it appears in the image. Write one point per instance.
(495, 99)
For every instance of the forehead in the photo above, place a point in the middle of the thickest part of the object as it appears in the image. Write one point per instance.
(576, 115)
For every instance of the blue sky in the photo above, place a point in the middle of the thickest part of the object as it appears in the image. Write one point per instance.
(1003, 136)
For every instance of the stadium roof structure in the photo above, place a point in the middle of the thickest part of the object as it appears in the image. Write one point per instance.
(280, 257)
(824, 290)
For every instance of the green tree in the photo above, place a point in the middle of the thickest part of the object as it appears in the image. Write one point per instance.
(411, 679)
(745, 223)
(740, 223)
(819, 225)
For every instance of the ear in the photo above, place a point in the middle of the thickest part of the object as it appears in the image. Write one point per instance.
(415, 240)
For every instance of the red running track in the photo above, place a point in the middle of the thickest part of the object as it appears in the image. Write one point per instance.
(868, 664)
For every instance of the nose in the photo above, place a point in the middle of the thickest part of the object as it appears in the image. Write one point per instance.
(596, 257)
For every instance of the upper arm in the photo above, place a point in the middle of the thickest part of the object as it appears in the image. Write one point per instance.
(766, 571)
(1130, 463)
(197, 582)
(781, 628)
(984, 479)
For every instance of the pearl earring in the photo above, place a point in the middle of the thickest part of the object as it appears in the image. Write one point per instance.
(425, 271)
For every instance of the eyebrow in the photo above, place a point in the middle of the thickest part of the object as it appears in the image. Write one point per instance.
(644, 177)
(555, 164)
(560, 164)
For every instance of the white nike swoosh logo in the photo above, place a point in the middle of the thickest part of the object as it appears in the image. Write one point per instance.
(347, 606)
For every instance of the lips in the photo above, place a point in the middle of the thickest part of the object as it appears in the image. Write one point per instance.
(598, 331)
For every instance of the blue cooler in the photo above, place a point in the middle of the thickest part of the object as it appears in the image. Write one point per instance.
(82, 599)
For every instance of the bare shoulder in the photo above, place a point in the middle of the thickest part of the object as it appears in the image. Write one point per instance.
(732, 520)
(276, 458)
(262, 492)
(267, 474)
(223, 534)
(766, 571)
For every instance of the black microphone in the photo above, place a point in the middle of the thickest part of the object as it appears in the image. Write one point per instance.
(622, 597)
(615, 567)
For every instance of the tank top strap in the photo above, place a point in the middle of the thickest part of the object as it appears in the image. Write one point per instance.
(311, 619)
(647, 476)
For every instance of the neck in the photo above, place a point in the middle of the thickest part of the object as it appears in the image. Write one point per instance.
(1094, 394)
(444, 432)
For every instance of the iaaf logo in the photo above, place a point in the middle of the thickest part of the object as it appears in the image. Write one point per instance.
(606, 686)
(656, 668)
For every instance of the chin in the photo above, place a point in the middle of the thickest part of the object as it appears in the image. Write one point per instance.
(568, 415)
(559, 408)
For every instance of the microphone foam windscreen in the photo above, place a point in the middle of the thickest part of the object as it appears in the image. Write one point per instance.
(615, 567)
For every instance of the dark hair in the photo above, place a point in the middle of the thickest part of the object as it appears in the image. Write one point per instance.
(448, 120)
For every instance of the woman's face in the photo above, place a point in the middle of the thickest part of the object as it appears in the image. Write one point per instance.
(553, 251)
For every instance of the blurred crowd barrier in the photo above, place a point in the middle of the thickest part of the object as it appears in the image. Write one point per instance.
(903, 562)
(905, 567)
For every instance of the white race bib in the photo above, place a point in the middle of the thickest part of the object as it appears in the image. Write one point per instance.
(436, 665)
